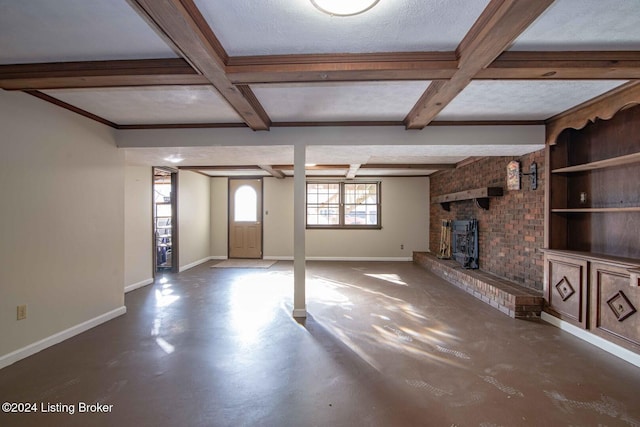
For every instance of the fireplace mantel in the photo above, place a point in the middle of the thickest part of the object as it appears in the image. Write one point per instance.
(479, 195)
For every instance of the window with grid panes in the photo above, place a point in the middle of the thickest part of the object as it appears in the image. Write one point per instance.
(343, 204)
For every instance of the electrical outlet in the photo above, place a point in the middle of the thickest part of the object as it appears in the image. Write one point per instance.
(401, 246)
(22, 312)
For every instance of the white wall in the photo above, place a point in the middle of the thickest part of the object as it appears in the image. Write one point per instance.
(405, 221)
(278, 218)
(194, 220)
(61, 222)
(138, 247)
(219, 215)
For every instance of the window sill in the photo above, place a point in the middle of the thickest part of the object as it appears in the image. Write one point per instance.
(344, 227)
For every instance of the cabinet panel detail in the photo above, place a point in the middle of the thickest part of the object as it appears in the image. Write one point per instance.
(566, 294)
(621, 306)
(564, 288)
(614, 305)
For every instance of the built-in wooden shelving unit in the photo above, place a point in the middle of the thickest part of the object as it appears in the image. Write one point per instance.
(592, 255)
(595, 210)
(601, 164)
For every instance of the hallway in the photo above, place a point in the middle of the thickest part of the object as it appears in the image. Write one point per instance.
(385, 344)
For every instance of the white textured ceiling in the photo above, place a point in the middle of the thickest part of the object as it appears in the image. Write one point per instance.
(584, 25)
(340, 101)
(211, 156)
(75, 30)
(249, 27)
(152, 105)
(521, 100)
(87, 30)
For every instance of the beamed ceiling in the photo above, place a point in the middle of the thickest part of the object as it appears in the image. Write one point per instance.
(173, 64)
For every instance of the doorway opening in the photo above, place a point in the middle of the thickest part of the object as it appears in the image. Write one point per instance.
(165, 221)
(245, 218)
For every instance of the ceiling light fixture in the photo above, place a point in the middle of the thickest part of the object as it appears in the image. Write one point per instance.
(343, 7)
(174, 159)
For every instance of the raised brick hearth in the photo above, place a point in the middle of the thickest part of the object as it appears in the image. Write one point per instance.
(511, 299)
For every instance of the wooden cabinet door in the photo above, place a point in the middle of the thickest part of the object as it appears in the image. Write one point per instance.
(615, 301)
(565, 281)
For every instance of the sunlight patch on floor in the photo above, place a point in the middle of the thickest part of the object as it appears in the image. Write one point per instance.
(391, 278)
(254, 302)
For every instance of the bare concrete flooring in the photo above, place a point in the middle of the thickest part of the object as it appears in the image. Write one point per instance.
(385, 344)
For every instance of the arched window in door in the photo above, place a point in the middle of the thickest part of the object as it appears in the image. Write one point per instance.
(246, 204)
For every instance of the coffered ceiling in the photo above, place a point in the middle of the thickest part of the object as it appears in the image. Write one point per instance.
(409, 64)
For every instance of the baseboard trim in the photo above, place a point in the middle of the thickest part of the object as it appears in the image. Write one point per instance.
(14, 356)
(138, 285)
(332, 258)
(321, 258)
(277, 258)
(197, 263)
(609, 347)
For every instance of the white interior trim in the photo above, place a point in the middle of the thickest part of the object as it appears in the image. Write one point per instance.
(601, 343)
(196, 263)
(357, 258)
(329, 258)
(138, 285)
(531, 135)
(54, 339)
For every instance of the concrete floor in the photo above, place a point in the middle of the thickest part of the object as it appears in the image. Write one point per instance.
(385, 344)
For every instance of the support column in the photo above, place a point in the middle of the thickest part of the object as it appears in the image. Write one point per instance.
(299, 249)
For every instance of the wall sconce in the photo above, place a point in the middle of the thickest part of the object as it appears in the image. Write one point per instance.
(514, 175)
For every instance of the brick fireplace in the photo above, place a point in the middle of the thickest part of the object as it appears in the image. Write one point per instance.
(511, 231)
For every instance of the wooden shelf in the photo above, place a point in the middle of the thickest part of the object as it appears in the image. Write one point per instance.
(480, 195)
(589, 210)
(632, 264)
(601, 164)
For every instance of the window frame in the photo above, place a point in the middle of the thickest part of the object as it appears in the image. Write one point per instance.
(341, 206)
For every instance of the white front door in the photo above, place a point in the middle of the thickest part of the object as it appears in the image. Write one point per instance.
(245, 218)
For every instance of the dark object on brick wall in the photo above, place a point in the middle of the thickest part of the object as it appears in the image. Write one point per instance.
(464, 242)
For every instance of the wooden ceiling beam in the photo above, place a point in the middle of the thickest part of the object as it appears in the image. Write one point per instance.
(342, 67)
(498, 26)
(92, 74)
(590, 65)
(333, 124)
(182, 23)
(523, 65)
(432, 66)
